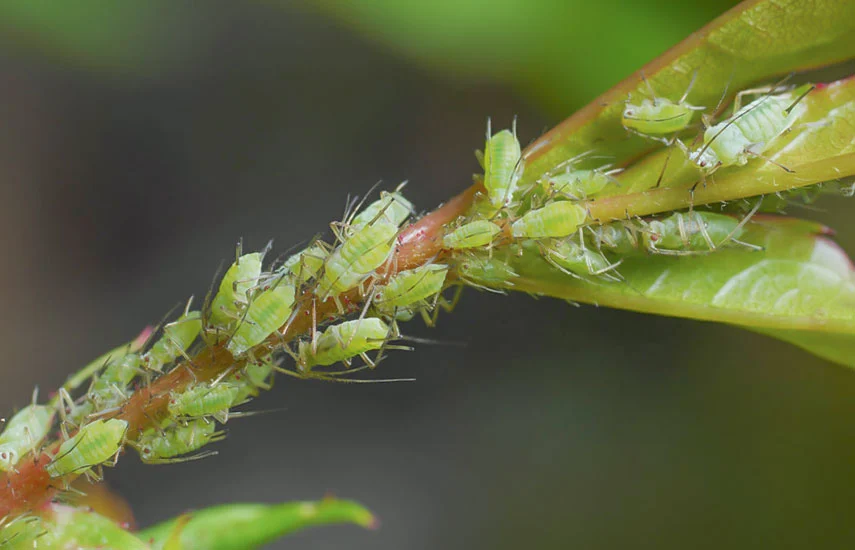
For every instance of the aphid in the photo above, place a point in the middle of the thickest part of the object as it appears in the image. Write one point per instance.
(306, 264)
(23, 531)
(556, 219)
(24, 432)
(94, 444)
(750, 131)
(692, 232)
(479, 270)
(253, 377)
(471, 235)
(177, 337)
(267, 311)
(620, 237)
(391, 208)
(356, 258)
(166, 445)
(503, 166)
(233, 295)
(340, 343)
(574, 258)
(579, 184)
(204, 399)
(409, 288)
(659, 116)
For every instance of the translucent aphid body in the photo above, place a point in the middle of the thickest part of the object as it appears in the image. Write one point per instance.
(306, 264)
(690, 232)
(479, 268)
(94, 444)
(252, 378)
(620, 237)
(658, 117)
(570, 256)
(471, 235)
(203, 400)
(233, 294)
(356, 258)
(578, 184)
(749, 132)
(24, 432)
(410, 287)
(177, 337)
(391, 208)
(159, 446)
(340, 343)
(503, 165)
(556, 219)
(267, 311)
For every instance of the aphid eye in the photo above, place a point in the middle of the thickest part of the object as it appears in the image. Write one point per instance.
(654, 237)
(630, 113)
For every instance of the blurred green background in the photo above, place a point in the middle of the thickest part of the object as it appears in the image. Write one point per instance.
(141, 139)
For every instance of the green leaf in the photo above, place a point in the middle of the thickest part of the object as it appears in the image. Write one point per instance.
(62, 526)
(246, 526)
(754, 42)
(800, 287)
(821, 147)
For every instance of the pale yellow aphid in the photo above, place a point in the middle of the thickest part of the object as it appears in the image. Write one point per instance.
(471, 235)
(356, 259)
(95, 443)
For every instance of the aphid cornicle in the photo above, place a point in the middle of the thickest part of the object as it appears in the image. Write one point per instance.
(166, 445)
(267, 311)
(410, 287)
(24, 432)
(471, 235)
(503, 166)
(204, 399)
(356, 259)
(233, 294)
(340, 343)
(94, 444)
(556, 219)
(750, 131)
(177, 337)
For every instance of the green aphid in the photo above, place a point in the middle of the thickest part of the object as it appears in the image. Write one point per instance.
(391, 208)
(166, 445)
(267, 311)
(658, 116)
(575, 259)
(481, 270)
(234, 293)
(503, 165)
(177, 337)
(342, 342)
(691, 232)
(94, 444)
(622, 238)
(22, 533)
(356, 258)
(556, 219)
(24, 433)
(205, 400)
(471, 235)
(410, 288)
(252, 378)
(578, 184)
(306, 264)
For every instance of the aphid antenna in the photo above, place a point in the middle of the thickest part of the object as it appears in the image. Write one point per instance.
(741, 224)
(197, 456)
(209, 296)
(689, 89)
(649, 86)
(352, 214)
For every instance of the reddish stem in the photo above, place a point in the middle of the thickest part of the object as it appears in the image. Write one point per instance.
(31, 487)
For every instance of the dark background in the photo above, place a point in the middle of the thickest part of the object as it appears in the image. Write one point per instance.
(139, 141)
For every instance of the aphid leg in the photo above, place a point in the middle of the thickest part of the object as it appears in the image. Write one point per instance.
(749, 151)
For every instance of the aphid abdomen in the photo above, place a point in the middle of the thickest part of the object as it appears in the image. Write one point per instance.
(502, 161)
(471, 235)
(578, 184)
(410, 287)
(616, 237)
(657, 118)
(557, 219)
(694, 231)
(267, 311)
(306, 264)
(356, 258)
(94, 444)
(485, 269)
(162, 445)
(573, 257)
